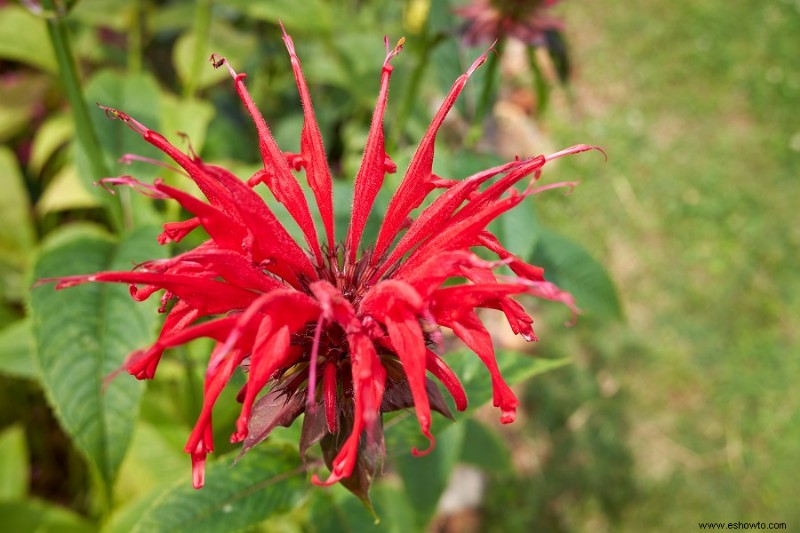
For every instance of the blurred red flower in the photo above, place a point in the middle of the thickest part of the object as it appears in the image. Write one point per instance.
(526, 20)
(337, 332)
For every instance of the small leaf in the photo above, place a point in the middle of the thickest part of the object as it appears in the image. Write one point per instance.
(37, 515)
(84, 333)
(16, 226)
(16, 350)
(54, 132)
(23, 38)
(265, 482)
(22, 94)
(65, 192)
(569, 265)
(14, 464)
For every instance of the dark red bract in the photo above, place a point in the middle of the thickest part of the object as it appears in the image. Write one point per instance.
(341, 333)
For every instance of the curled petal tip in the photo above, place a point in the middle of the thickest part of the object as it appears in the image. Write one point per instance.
(432, 444)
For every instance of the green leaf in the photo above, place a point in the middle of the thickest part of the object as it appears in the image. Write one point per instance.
(14, 464)
(190, 117)
(569, 265)
(334, 510)
(140, 97)
(66, 191)
(426, 477)
(223, 40)
(267, 481)
(21, 96)
(54, 132)
(16, 350)
(485, 448)
(294, 15)
(84, 333)
(41, 516)
(23, 38)
(16, 226)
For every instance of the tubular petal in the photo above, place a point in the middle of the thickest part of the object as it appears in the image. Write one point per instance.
(371, 173)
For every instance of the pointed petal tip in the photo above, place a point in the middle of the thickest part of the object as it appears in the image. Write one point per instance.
(576, 149)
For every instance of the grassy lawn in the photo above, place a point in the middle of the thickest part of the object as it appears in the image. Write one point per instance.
(696, 216)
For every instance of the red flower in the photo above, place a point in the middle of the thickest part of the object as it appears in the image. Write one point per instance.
(339, 332)
(526, 20)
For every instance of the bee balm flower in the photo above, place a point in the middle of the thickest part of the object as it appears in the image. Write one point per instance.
(340, 332)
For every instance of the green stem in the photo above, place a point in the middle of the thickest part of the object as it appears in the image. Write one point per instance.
(411, 91)
(487, 93)
(540, 83)
(135, 38)
(85, 132)
(202, 26)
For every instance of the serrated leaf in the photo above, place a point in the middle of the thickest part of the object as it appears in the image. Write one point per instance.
(265, 482)
(84, 333)
(16, 350)
(139, 97)
(569, 265)
(23, 38)
(14, 464)
(334, 510)
(38, 515)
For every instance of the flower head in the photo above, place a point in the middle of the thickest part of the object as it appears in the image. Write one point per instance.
(526, 20)
(339, 332)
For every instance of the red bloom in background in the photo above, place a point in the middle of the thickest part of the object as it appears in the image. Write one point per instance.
(526, 20)
(340, 332)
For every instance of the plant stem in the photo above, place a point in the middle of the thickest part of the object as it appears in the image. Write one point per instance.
(540, 83)
(487, 92)
(411, 91)
(135, 38)
(202, 26)
(85, 132)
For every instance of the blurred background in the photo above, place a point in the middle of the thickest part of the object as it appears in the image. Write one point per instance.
(680, 401)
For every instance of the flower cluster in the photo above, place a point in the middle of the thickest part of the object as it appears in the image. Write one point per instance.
(338, 332)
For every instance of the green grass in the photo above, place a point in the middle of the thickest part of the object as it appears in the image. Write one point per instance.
(696, 216)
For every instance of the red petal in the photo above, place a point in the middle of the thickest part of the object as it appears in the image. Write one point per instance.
(447, 377)
(417, 182)
(460, 235)
(371, 173)
(313, 151)
(209, 296)
(406, 335)
(329, 397)
(433, 219)
(278, 175)
(470, 330)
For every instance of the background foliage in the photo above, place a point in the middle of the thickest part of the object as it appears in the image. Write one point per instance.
(684, 411)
